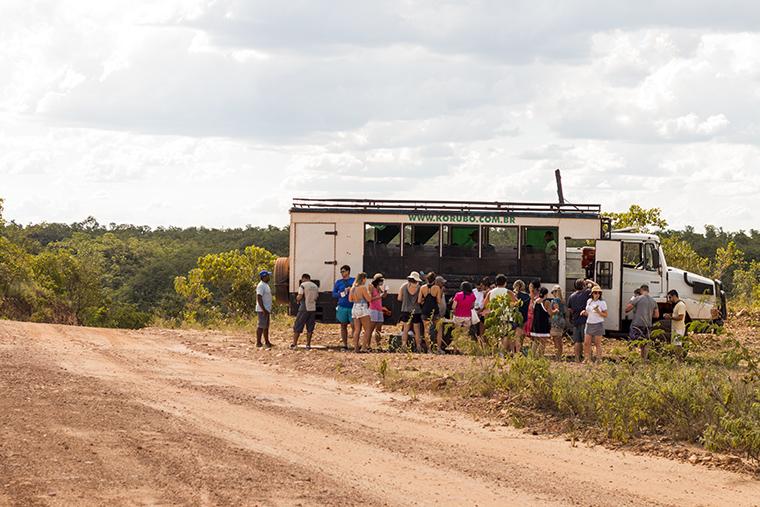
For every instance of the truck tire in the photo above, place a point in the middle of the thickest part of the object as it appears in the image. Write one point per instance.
(282, 280)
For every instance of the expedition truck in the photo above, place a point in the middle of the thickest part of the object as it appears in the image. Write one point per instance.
(554, 243)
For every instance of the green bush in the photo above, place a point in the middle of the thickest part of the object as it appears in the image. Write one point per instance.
(716, 406)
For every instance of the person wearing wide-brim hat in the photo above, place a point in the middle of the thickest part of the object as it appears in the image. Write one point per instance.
(411, 311)
(595, 313)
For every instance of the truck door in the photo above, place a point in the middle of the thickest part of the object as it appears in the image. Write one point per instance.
(653, 268)
(315, 254)
(608, 275)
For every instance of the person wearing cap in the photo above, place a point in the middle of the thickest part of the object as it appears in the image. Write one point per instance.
(595, 313)
(263, 309)
(644, 309)
(557, 310)
(377, 291)
(430, 300)
(411, 312)
(343, 309)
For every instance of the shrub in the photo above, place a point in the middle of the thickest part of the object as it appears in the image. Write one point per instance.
(713, 405)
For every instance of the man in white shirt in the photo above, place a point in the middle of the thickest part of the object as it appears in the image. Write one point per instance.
(308, 292)
(677, 319)
(263, 309)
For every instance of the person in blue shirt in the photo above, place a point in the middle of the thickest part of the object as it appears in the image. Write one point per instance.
(343, 310)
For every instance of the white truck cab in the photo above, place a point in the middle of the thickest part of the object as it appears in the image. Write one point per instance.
(641, 261)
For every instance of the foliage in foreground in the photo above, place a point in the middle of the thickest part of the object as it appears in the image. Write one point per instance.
(714, 402)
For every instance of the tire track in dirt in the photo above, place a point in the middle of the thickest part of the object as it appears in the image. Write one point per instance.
(362, 440)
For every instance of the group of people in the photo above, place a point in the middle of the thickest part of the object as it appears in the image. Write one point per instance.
(544, 314)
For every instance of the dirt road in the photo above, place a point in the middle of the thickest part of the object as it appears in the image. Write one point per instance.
(89, 416)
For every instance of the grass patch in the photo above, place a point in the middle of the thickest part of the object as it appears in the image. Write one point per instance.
(716, 406)
(712, 398)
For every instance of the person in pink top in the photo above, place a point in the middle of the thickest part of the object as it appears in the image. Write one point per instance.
(377, 292)
(464, 302)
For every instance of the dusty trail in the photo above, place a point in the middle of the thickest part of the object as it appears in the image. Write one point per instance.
(93, 415)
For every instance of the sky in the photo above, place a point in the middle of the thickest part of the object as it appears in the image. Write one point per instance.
(218, 113)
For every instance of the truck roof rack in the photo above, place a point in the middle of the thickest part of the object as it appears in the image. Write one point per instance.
(403, 206)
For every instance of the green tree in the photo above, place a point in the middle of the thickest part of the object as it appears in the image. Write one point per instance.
(747, 284)
(680, 254)
(224, 284)
(71, 288)
(638, 218)
(727, 260)
(16, 281)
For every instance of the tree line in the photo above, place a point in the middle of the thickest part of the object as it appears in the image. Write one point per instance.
(118, 275)
(121, 275)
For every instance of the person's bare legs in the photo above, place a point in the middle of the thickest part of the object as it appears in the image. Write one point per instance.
(598, 347)
(435, 325)
(366, 324)
(518, 341)
(344, 334)
(578, 349)
(539, 346)
(357, 332)
(405, 334)
(557, 338)
(370, 332)
(418, 337)
(587, 348)
(439, 335)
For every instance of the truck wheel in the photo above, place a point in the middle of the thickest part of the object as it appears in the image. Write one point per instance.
(282, 280)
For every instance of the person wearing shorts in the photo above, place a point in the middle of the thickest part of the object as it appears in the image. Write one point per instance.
(430, 300)
(595, 312)
(462, 305)
(343, 310)
(308, 292)
(263, 309)
(411, 312)
(360, 297)
(377, 292)
(576, 303)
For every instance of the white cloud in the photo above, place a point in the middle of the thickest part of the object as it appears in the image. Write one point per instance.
(195, 112)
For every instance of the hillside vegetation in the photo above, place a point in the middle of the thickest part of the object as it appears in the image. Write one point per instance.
(123, 275)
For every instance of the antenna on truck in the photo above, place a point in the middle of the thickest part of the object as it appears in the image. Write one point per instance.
(559, 186)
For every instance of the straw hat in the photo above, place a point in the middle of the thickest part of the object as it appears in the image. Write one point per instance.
(414, 276)
(596, 288)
